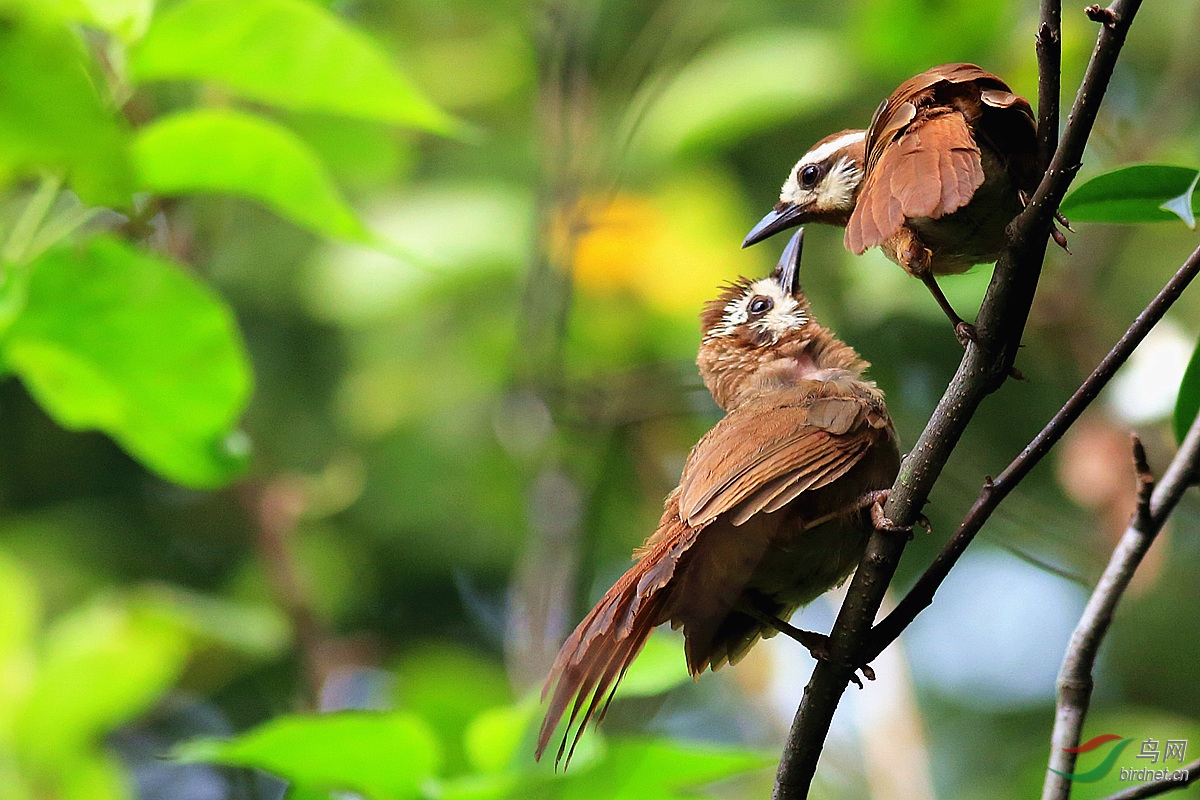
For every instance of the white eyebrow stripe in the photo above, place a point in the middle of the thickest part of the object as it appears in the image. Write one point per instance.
(819, 154)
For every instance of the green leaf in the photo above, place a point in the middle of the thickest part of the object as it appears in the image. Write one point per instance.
(1143, 193)
(288, 53)
(20, 609)
(103, 665)
(493, 739)
(430, 680)
(652, 769)
(52, 119)
(240, 154)
(747, 84)
(126, 19)
(1188, 403)
(660, 667)
(385, 756)
(117, 340)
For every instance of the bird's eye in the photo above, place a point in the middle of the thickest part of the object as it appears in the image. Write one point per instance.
(760, 305)
(810, 175)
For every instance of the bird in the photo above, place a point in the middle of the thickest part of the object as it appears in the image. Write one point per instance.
(949, 159)
(774, 507)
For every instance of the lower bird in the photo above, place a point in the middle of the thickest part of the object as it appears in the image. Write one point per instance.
(774, 507)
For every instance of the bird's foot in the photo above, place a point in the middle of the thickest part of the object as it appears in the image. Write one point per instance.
(817, 645)
(1058, 236)
(881, 522)
(965, 332)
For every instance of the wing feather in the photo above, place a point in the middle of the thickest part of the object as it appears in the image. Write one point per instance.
(729, 468)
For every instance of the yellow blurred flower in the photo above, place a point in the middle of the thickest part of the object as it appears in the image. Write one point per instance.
(670, 250)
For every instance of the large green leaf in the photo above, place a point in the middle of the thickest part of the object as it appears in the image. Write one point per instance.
(1143, 193)
(51, 117)
(236, 153)
(102, 665)
(654, 769)
(113, 339)
(1188, 403)
(126, 19)
(384, 756)
(288, 53)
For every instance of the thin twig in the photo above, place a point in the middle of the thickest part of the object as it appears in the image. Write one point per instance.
(1155, 504)
(277, 506)
(921, 594)
(983, 369)
(1155, 788)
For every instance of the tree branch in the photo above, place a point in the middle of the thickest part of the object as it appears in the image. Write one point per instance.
(1155, 788)
(1049, 56)
(983, 369)
(1155, 504)
(921, 594)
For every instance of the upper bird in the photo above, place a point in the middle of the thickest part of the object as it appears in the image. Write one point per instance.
(949, 160)
(774, 507)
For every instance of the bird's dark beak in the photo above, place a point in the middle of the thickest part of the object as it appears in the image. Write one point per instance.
(787, 271)
(780, 218)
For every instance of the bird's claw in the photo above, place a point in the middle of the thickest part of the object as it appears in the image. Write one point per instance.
(1058, 236)
(964, 332)
(820, 651)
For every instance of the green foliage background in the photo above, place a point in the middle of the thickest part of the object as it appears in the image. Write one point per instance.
(347, 354)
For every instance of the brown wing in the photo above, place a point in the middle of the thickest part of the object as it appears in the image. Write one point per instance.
(758, 454)
(900, 108)
(890, 194)
(932, 170)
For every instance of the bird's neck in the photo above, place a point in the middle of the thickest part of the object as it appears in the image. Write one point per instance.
(735, 374)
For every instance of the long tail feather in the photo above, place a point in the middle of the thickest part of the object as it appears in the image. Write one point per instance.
(595, 657)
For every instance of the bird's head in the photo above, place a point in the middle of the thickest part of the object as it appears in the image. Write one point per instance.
(822, 187)
(756, 327)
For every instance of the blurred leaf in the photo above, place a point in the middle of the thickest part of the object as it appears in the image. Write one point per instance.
(746, 84)
(498, 786)
(288, 53)
(51, 117)
(660, 667)
(361, 153)
(103, 664)
(656, 769)
(1143, 193)
(383, 756)
(241, 154)
(1188, 403)
(120, 341)
(444, 227)
(126, 19)
(259, 631)
(493, 739)
(430, 682)
(901, 39)
(93, 776)
(19, 609)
